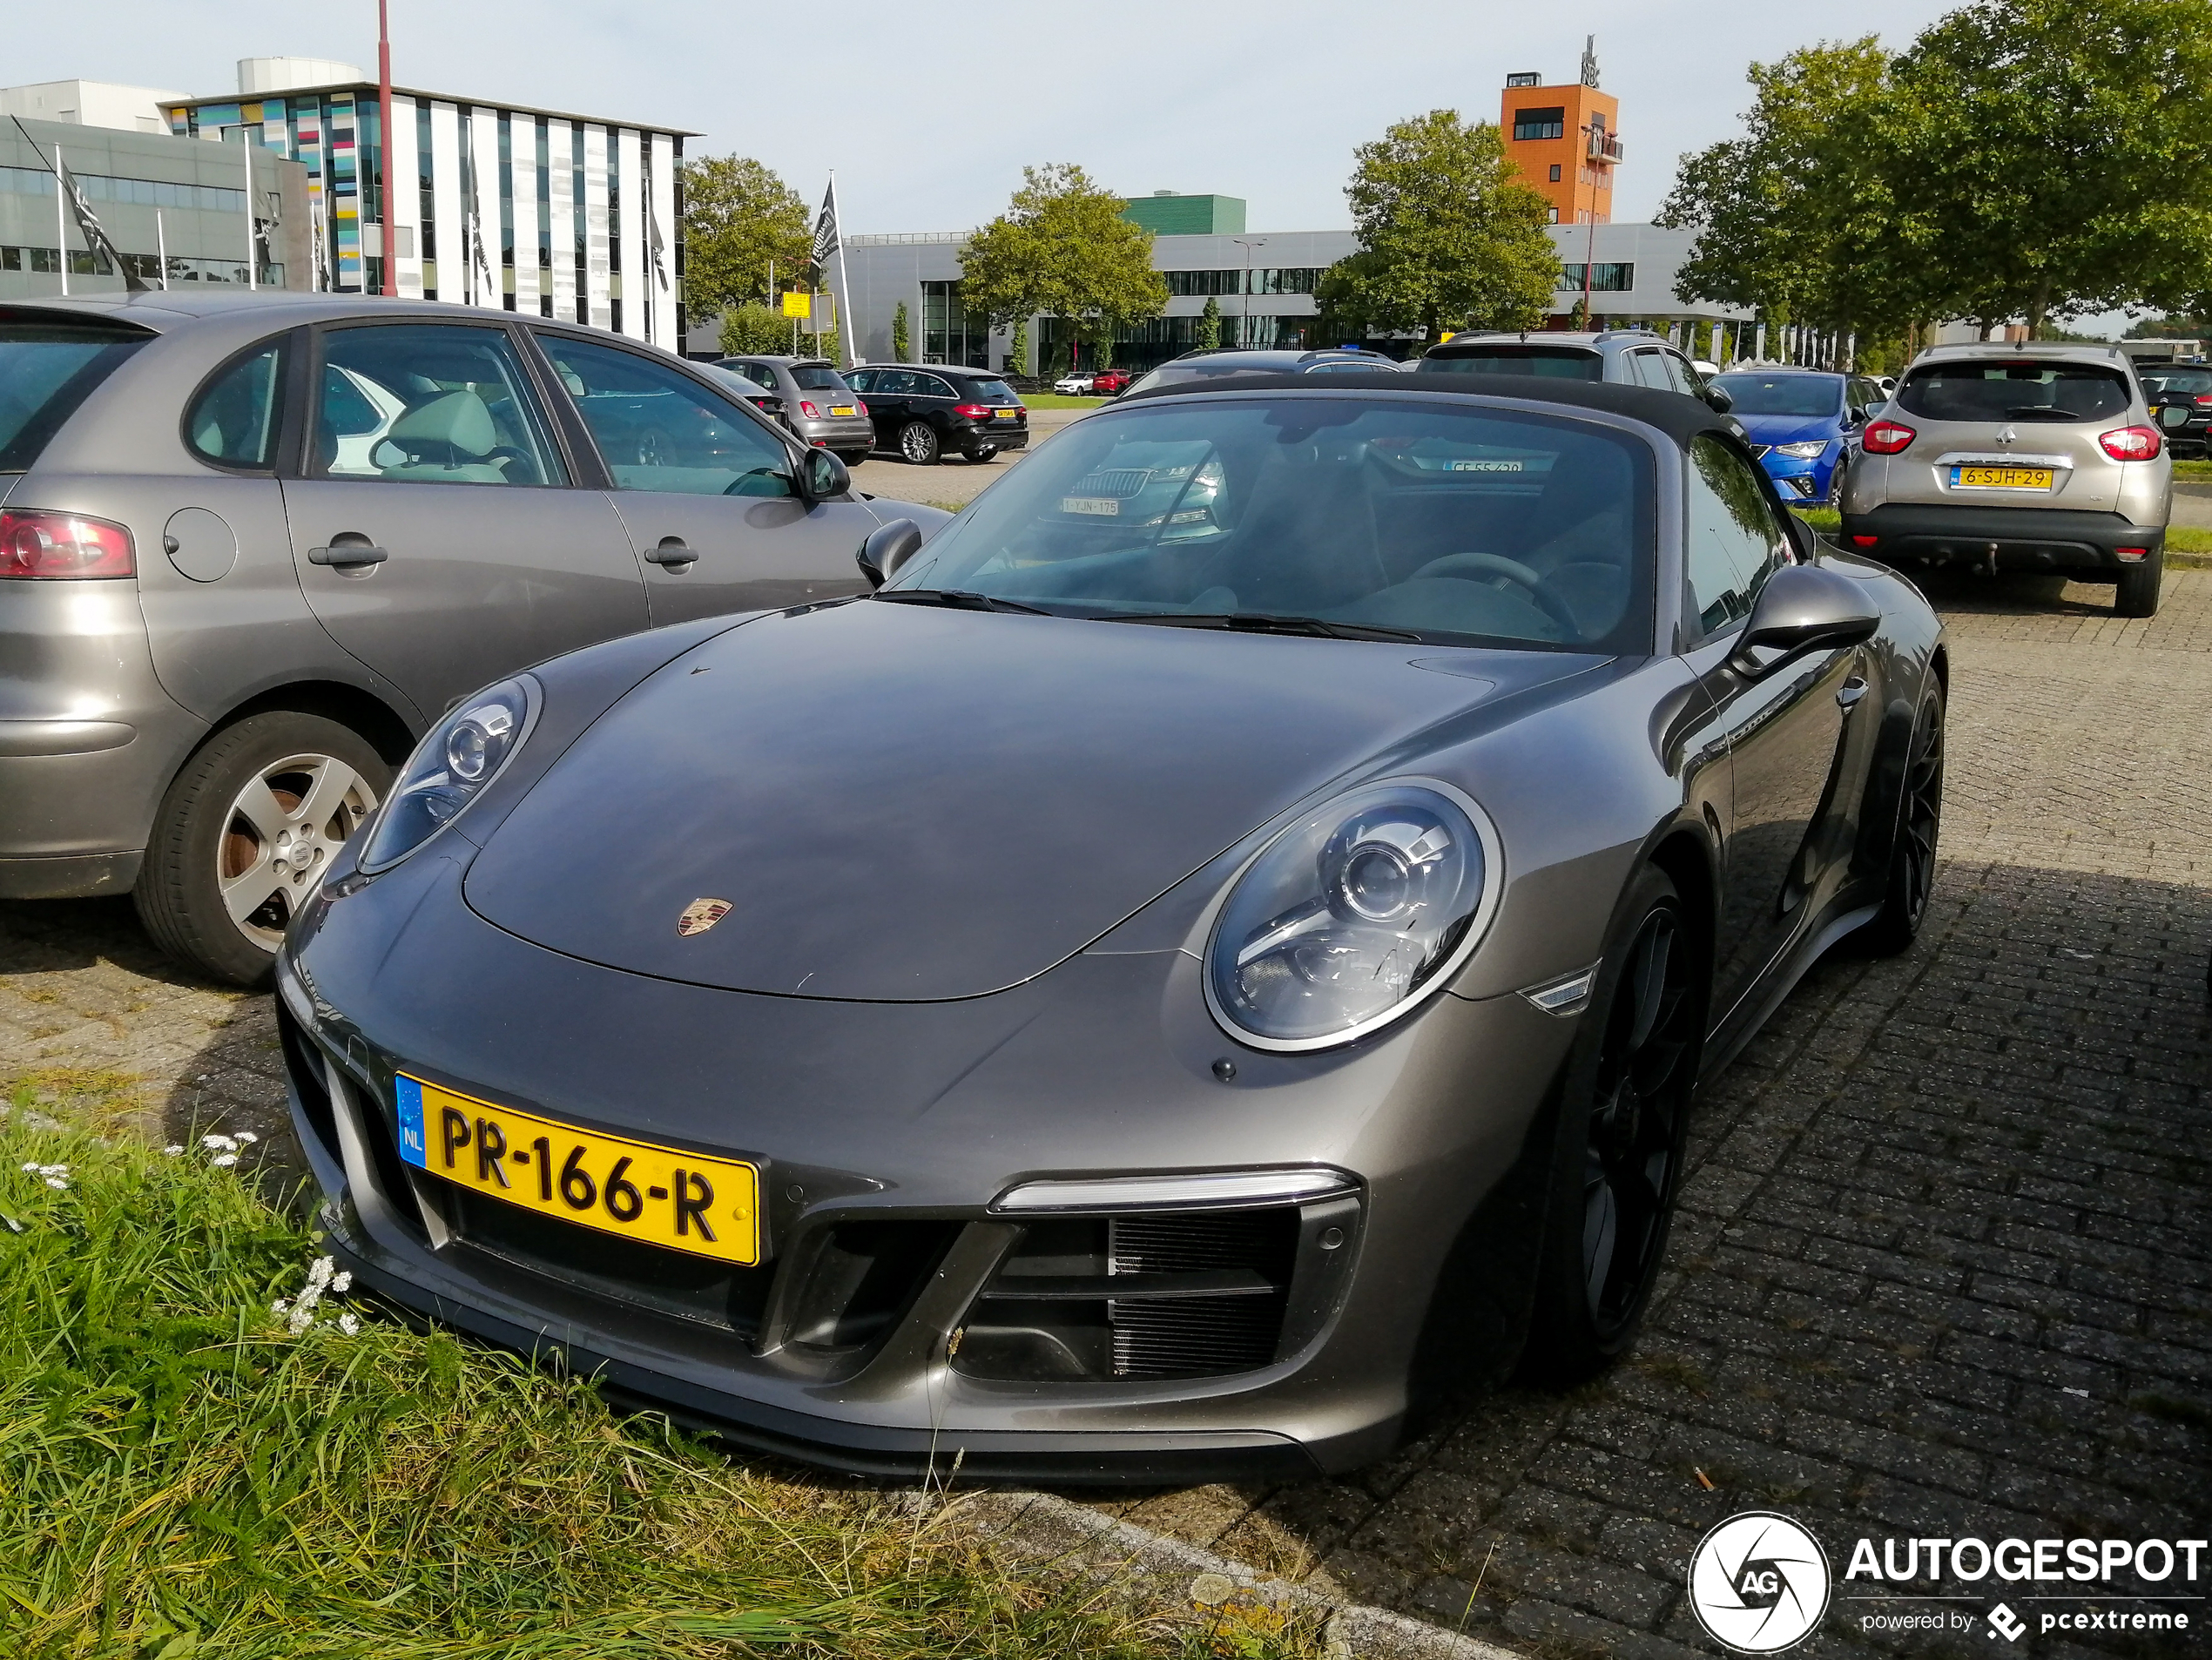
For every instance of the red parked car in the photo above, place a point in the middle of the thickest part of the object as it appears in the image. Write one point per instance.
(1111, 383)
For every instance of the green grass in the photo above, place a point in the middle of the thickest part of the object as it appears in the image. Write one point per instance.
(2197, 472)
(185, 1477)
(1057, 400)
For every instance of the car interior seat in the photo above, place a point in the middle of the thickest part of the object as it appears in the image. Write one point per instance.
(450, 439)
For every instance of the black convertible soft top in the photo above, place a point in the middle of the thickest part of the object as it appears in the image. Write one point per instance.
(1676, 413)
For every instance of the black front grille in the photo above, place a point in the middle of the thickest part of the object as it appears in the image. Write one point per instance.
(1160, 1295)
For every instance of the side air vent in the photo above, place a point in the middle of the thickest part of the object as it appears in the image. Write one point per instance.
(1158, 1294)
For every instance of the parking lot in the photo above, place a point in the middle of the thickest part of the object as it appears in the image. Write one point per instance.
(1945, 1264)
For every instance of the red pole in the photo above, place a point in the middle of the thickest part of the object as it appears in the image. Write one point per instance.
(384, 142)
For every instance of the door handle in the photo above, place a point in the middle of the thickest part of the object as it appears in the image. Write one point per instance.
(673, 554)
(1851, 691)
(341, 554)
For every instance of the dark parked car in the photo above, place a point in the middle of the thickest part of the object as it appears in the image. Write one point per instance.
(813, 400)
(2185, 387)
(1803, 424)
(926, 412)
(1338, 819)
(1234, 362)
(252, 545)
(1616, 357)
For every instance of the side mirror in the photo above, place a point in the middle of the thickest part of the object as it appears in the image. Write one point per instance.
(2174, 416)
(1801, 608)
(822, 476)
(888, 547)
(1721, 402)
(1855, 417)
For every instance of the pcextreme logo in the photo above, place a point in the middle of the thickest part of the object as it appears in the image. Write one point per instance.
(1758, 1583)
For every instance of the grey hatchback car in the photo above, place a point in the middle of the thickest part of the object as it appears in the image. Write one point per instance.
(2042, 456)
(1617, 356)
(817, 406)
(253, 547)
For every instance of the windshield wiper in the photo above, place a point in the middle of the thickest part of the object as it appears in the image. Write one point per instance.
(958, 599)
(1266, 622)
(2041, 412)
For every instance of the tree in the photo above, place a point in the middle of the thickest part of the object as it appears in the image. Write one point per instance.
(1017, 351)
(1448, 236)
(738, 219)
(2059, 154)
(1206, 337)
(901, 342)
(755, 330)
(1062, 248)
(1792, 216)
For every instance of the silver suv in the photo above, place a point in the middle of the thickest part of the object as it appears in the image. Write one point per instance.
(252, 546)
(2034, 457)
(1623, 356)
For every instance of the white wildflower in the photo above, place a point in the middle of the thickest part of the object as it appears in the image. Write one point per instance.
(280, 1305)
(219, 1144)
(173, 1148)
(246, 1138)
(349, 1325)
(224, 1161)
(58, 1184)
(341, 1282)
(30, 1169)
(303, 1307)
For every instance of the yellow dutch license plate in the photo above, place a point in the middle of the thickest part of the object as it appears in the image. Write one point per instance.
(710, 1207)
(841, 408)
(2002, 478)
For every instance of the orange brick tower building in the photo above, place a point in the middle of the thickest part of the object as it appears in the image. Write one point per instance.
(1565, 141)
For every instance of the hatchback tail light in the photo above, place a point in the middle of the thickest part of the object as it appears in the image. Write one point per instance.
(48, 546)
(859, 408)
(2203, 398)
(973, 411)
(1887, 437)
(2131, 443)
(807, 408)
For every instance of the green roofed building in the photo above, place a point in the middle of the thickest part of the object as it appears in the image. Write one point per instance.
(1166, 212)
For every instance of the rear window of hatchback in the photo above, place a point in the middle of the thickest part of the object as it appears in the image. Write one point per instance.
(49, 366)
(2016, 391)
(1552, 362)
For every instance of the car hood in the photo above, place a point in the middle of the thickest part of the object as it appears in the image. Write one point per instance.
(899, 804)
(1789, 430)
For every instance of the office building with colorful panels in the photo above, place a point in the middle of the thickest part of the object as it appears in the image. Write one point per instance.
(544, 212)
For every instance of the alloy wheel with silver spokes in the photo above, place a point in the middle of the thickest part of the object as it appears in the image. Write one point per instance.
(282, 831)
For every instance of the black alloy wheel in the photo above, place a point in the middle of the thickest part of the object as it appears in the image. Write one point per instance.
(1912, 859)
(918, 443)
(1621, 1141)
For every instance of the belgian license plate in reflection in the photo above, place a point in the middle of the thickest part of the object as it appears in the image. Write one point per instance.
(710, 1207)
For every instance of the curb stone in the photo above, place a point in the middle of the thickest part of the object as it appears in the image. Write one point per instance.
(1153, 1574)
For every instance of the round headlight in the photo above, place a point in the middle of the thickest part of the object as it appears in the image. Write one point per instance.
(1352, 915)
(450, 769)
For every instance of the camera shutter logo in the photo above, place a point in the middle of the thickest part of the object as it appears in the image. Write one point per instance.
(1759, 1582)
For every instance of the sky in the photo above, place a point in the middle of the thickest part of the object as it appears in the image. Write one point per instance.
(928, 115)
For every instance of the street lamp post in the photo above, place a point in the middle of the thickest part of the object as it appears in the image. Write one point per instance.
(1244, 310)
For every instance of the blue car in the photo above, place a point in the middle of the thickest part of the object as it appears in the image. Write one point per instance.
(1803, 425)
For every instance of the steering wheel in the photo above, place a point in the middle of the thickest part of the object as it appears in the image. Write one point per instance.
(1473, 567)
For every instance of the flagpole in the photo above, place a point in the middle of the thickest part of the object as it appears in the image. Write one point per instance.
(61, 220)
(161, 244)
(391, 283)
(844, 282)
(251, 275)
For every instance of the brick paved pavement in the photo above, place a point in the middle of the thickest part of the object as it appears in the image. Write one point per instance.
(1944, 1266)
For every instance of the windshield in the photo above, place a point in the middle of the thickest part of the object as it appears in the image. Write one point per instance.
(1459, 526)
(1978, 391)
(1552, 360)
(818, 377)
(46, 370)
(1784, 394)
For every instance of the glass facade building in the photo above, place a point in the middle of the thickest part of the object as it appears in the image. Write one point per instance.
(477, 203)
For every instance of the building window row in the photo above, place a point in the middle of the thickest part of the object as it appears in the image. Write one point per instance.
(1272, 280)
(137, 193)
(145, 266)
(1604, 279)
(1539, 124)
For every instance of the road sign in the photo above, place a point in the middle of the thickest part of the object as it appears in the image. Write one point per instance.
(798, 305)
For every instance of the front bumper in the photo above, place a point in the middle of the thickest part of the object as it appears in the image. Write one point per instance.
(1798, 480)
(864, 1114)
(2002, 538)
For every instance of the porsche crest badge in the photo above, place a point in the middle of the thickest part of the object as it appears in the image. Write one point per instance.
(700, 915)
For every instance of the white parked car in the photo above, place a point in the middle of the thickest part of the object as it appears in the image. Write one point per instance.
(1074, 386)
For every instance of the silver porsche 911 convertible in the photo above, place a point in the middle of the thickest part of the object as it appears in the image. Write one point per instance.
(1218, 945)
